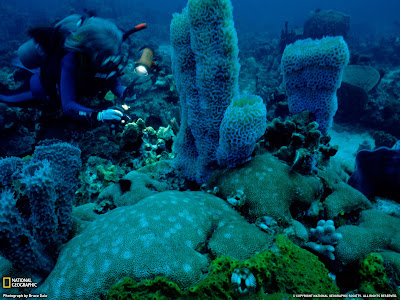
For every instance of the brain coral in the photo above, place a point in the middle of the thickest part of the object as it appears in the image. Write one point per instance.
(377, 232)
(268, 186)
(312, 72)
(344, 199)
(165, 235)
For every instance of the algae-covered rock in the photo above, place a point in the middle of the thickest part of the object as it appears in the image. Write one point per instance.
(373, 276)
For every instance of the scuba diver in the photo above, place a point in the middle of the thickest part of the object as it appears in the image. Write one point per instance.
(79, 56)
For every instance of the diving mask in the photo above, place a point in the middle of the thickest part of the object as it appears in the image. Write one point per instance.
(110, 66)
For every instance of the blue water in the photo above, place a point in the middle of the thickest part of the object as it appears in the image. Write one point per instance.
(253, 15)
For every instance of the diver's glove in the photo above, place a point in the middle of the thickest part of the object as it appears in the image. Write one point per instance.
(109, 115)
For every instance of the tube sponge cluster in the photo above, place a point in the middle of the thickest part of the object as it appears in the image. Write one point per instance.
(312, 72)
(206, 69)
(36, 205)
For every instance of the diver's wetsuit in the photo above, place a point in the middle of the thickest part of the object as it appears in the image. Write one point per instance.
(64, 76)
(70, 86)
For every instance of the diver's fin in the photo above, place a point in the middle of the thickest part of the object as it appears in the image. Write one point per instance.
(17, 62)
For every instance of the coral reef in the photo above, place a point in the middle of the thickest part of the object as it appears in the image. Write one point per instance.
(383, 139)
(83, 216)
(353, 102)
(164, 171)
(132, 145)
(226, 218)
(8, 81)
(97, 174)
(18, 133)
(132, 188)
(270, 188)
(289, 36)
(373, 276)
(8, 166)
(243, 124)
(343, 199)
(243, 282)
(353, 95)
(378, 110)
(364, 77)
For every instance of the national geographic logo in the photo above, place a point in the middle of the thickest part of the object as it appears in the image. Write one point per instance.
(6, 282)
(9, 282)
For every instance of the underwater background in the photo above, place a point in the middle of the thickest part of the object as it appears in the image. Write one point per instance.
(259, 159)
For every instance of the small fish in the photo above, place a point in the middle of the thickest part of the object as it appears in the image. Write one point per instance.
(125, 185)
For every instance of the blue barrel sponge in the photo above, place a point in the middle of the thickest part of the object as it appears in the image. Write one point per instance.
(312, 73)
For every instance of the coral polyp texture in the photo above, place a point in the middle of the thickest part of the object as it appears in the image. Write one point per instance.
(206, 70)
(312, 73)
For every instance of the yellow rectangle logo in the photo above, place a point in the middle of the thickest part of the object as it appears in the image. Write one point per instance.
(5, 285)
